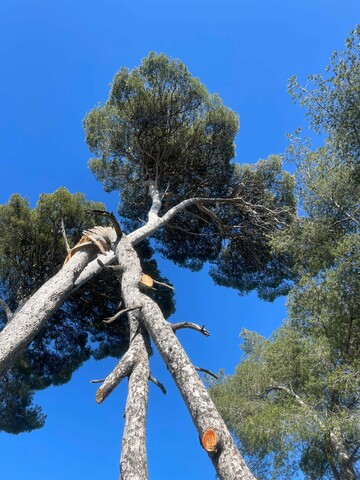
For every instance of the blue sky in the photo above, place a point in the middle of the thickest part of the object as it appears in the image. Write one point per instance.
(58, 58)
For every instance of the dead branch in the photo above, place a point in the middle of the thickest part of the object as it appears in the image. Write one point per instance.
(121, 370)
(121, 312)
(193, 326)
(204, 370)
(62, 226)
(112, 218)
(158, 384)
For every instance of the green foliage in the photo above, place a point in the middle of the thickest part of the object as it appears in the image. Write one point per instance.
(32, 250)
(161, 125)
(293, 394)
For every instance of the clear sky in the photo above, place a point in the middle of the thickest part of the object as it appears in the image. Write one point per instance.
(57, 60)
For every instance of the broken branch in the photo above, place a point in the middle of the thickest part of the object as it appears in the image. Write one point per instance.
(112, 218)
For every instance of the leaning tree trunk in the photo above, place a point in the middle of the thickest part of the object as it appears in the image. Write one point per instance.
(28, 320)
(340, 451)
(223, 453)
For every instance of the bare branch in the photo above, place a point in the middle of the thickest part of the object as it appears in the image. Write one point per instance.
(193, 326)
(6, 308)
(98, 381)
(199, 369)
(122, 370)
(163, 284)
(158, 384)
(62, 226)
(118, 314)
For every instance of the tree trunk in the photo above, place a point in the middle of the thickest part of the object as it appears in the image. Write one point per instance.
(345, 465)
(133, 461)
(225, 457)
(31, 317)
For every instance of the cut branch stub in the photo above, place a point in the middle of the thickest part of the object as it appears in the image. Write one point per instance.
(146, 280)
(209, 441)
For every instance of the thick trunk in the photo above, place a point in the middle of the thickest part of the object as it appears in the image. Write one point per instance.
(133, 461)
(31, 317)
(345, 465)
(226, 459)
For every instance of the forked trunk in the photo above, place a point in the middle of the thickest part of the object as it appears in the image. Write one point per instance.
(223, 453)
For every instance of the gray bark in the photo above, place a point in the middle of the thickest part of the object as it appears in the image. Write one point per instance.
(345, 464)
(133, 461)
(227, 460)
(32, 315)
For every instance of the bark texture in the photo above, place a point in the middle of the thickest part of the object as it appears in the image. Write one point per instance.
(227, 460)
(28, 320)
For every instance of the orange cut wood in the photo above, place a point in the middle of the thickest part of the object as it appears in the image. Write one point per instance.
(209, 440)
(146, 280)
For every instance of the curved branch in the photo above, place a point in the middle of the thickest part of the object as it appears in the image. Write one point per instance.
(193, 326)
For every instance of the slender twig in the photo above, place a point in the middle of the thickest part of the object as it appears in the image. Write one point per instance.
(112, 218)
(199, 369)
(193, 326)
(7, 310)
(98, 381)
(118, 314)
(157, 383)
(163, 284)
(63, 231)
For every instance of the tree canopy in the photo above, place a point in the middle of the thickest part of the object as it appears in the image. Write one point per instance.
(32, 250)
(161, 128)
(294, 399)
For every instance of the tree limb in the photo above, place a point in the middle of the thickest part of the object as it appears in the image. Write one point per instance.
(62, 226)
(121, 370)
(121, 312)
(199, 369)
(193, 326)
(158, 384)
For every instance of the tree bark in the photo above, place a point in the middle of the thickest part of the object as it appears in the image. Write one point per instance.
(345, 465)
(226, 459)
(31, 317)
(133, 460)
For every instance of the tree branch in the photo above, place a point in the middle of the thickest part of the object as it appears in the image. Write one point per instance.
(112, 218)
(193, 326)
(158, 384)
(122, 370)
(199, 369)
(121, 312)
(6, 308)
(62, 226)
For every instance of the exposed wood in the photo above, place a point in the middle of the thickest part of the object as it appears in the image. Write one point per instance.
(113, 220)
(208, 372)
(209, 441)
